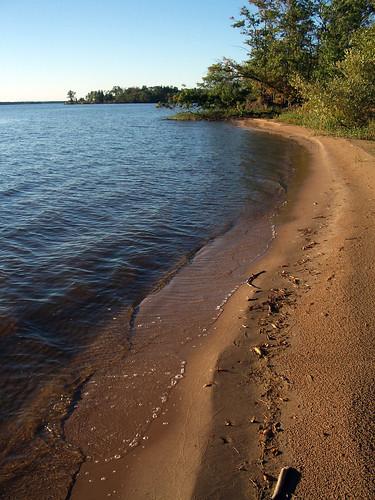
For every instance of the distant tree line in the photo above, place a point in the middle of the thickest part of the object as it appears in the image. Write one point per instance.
(316, 57)
(118, 95)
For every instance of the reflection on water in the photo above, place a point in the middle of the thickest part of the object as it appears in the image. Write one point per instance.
(98, 203)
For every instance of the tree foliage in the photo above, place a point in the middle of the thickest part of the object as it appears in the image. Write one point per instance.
(224, 86)
(339, 20)
(281, 37)
(347, 98)
(71, 95)
(120, 95)
(315, 53)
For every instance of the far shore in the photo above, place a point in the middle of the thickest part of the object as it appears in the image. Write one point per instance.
(286, 378)
(5, 103)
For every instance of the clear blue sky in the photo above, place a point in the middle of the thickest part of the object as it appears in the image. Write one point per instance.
(50, 46)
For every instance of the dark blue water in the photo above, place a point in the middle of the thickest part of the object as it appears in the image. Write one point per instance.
(97, 203)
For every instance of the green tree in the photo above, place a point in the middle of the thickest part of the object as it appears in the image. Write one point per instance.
(222, 87)
(142, 94)
(347, 99)
(71, 96)
(281, 36)
(95, 97)
(339, 20)
(225, 86)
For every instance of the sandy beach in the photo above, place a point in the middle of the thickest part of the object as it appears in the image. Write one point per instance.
(286, 377)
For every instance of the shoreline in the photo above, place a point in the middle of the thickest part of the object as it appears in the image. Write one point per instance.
(241, 243)
(193, 401)
(73, 437)
(306, 401)
(229, 418)
(236, 418)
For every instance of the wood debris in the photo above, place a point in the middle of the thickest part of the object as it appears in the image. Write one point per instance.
(253, 277)
(280, 485)
(258, 350)
(310, 245)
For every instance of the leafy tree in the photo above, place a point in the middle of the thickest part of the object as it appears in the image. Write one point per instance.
(304, 38)
(225, 86)
(71, 96)
(314, 53)
(190, 98)
(339, 20)
(132, 95)
(347, 99)
(95, 97)
(281, 36)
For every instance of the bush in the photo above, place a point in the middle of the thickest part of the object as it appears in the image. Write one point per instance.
(347, 99)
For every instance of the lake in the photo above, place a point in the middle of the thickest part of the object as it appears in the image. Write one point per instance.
(102, 205)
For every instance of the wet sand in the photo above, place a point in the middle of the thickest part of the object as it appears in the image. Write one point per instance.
(303, 397)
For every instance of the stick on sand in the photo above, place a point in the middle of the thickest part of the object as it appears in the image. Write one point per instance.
(280, 483)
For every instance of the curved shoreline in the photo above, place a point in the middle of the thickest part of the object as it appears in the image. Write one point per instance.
(226, 260)
(236, 415)
(208, 347)
(212, 449)
(161, 356)
(108, 348)
(305, 403)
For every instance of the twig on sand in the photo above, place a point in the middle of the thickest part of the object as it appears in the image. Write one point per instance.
(256, 486)
(252, 278)
(280, 483)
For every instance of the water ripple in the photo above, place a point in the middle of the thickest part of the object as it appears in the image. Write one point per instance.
(97, 204)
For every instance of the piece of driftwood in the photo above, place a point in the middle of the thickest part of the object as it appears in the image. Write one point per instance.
(286, 484)
(280, 485)
(253, 277)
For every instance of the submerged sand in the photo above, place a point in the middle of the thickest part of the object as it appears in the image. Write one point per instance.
(304, 397)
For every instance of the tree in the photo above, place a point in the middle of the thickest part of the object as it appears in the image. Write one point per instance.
(304, 39)
(281, 36)
(226, 86)
(71, 96)
(95, 97)
(144, 94)
(339, 20)
(347, 99)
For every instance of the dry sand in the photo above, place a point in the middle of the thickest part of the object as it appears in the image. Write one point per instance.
(306, 400)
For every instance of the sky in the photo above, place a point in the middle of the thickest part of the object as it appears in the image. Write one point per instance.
(51, 46)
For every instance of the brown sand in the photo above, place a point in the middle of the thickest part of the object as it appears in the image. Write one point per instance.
(237, 417)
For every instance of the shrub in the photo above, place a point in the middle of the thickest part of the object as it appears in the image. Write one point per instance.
(347, 99)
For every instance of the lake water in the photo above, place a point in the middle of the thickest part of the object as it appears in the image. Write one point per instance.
(100, 205)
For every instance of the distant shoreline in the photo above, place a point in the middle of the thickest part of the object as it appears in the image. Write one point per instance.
(7, 103)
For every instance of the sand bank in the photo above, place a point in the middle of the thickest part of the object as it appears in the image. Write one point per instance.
(238, 416)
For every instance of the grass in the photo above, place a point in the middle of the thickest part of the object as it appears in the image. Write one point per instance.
(221, 114)
(365, 132)
(295, 117)
(186, 116)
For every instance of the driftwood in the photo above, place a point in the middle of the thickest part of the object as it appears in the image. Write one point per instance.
(279, 488)
(286, 483)
(253, 277)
